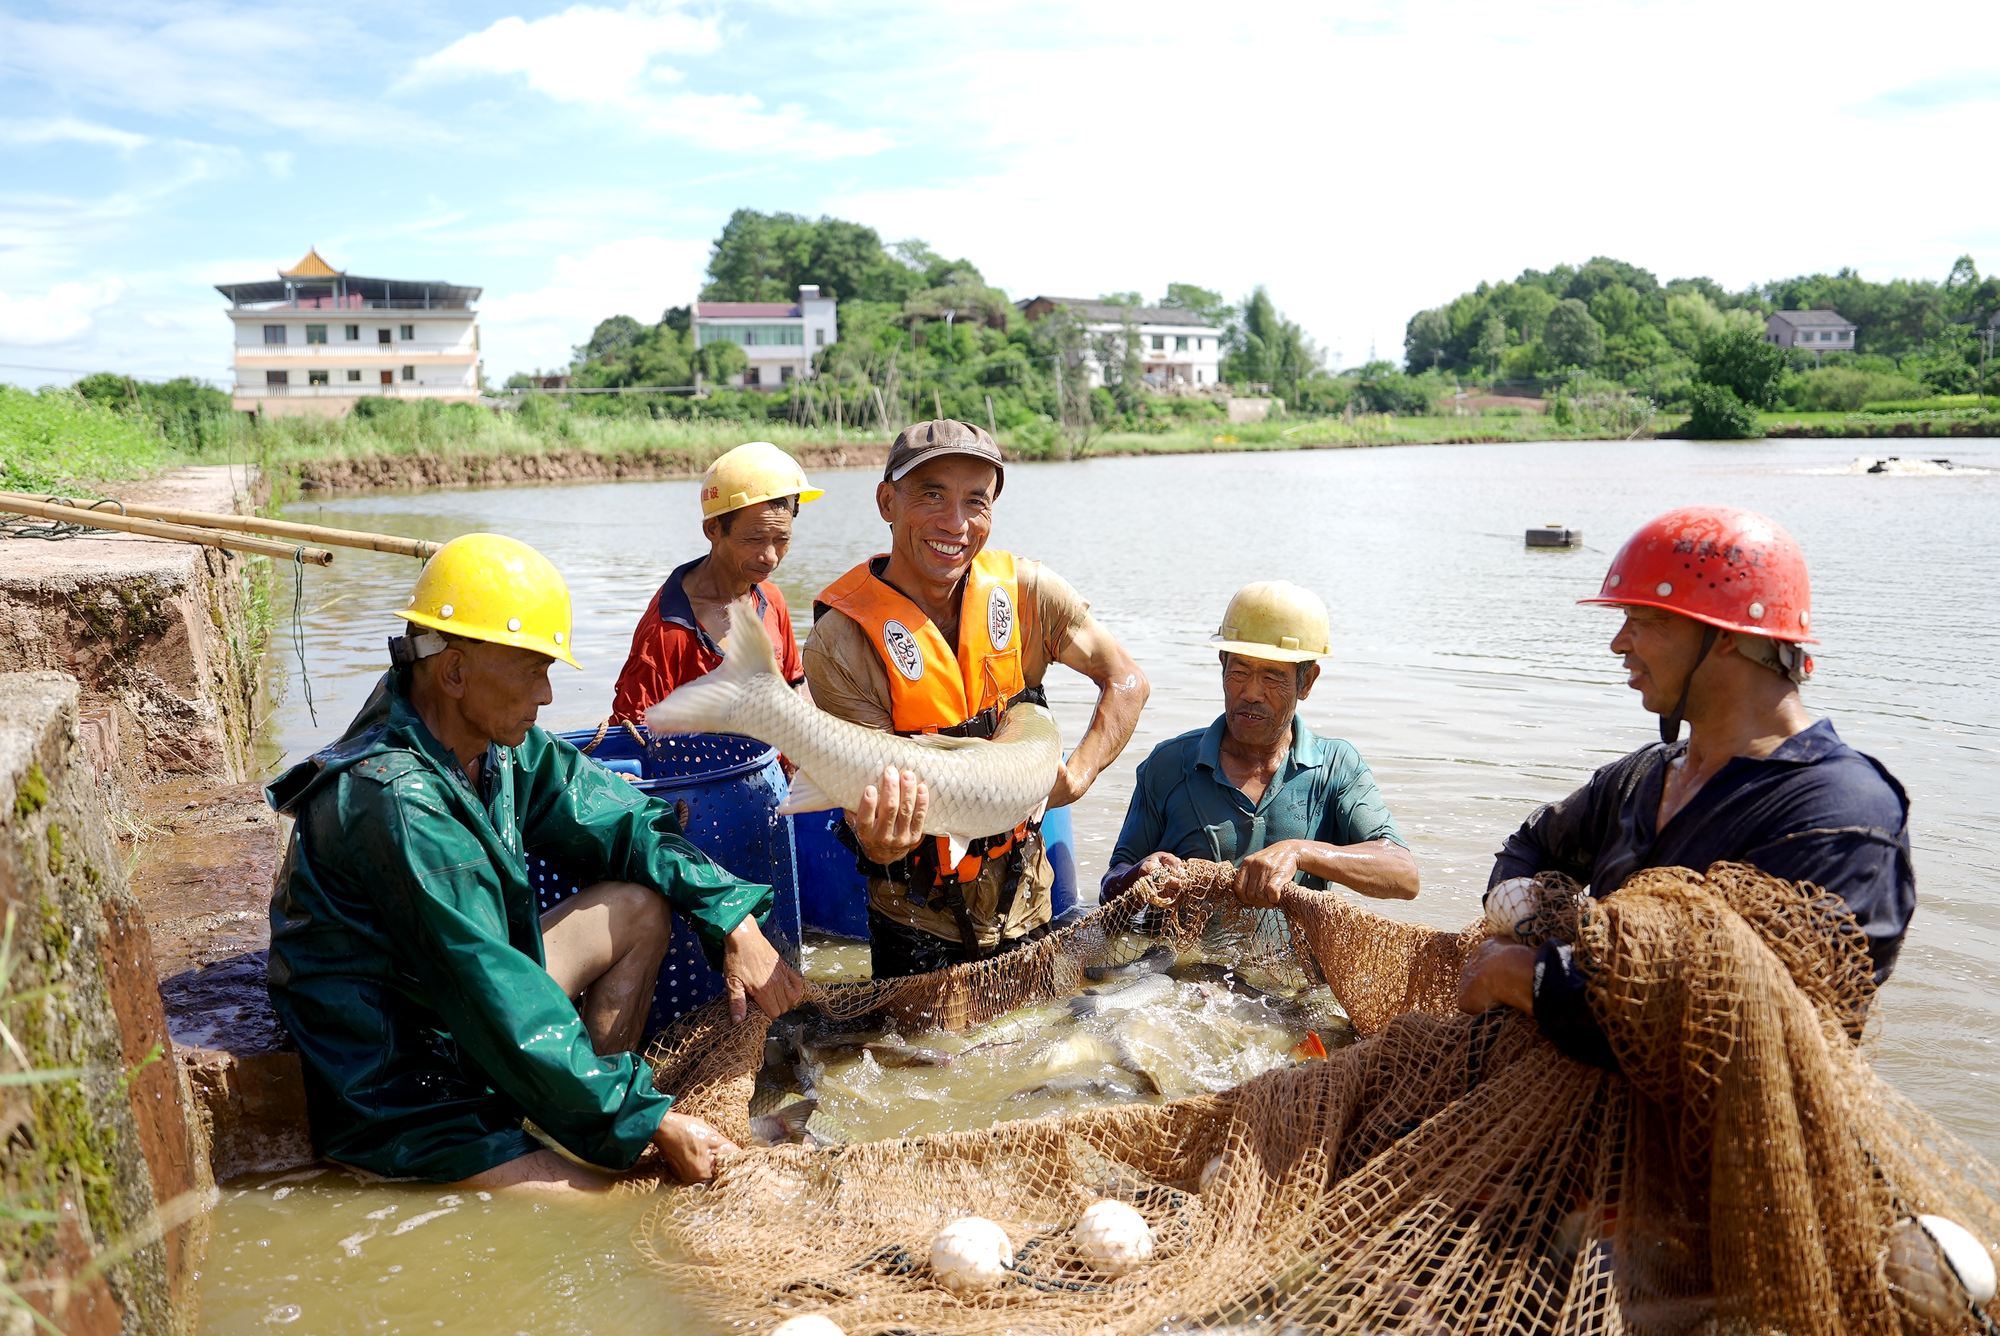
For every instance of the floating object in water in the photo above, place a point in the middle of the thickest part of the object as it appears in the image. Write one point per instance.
(1897, 464)
(1309, 1047)
(1113, 1238)
(808, 1324)
(970, 1254)
(1156, 961)
(785, 1125)
(1512, 903)
(1146, 991)
(977, 787)
(1555, 535)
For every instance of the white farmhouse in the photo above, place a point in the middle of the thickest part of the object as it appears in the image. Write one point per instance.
(317, 340)
(779, 338)
(1810, 331)
(1177, 348)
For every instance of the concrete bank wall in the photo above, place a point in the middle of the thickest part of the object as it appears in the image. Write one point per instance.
(114, 1154)
(159, 634)
(367, 472)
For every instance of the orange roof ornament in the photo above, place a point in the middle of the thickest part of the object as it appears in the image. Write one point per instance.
(312, 267)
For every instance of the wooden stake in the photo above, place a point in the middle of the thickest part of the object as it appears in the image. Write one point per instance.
(180, 533)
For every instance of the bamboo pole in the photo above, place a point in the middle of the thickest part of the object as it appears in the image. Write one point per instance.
(314, 533)
(182, 533)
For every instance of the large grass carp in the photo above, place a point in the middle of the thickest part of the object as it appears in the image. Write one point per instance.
(978, 787)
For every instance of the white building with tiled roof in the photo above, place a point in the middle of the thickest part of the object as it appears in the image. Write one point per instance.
(317, 340)
(1810, 331)
(1178, 348)
(779, 338)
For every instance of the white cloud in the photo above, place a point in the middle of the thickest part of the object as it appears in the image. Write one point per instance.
(68, 129)
(584, 54)
(637, 276)
(66, 315)
(604, 58)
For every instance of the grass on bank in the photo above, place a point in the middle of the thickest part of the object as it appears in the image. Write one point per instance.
(56, 441)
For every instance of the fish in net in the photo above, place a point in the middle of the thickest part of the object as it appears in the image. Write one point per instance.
(1746, 1171)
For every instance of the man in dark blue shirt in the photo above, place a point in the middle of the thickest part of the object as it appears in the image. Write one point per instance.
(1717, 610)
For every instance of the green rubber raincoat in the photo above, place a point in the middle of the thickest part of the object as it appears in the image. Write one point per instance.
(406, 945)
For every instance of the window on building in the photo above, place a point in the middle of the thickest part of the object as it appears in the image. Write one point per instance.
(388, 378)
(754, 376)
(277, 377)
(409, 331)
(819, 338)
(274, 333)
(354, 375)
(354, 333)
(382, 336)
(316, 377)
(409, 373)
(785, 374)
(752, 336)
(315, 333)
(1159, 343)
(1180, 343)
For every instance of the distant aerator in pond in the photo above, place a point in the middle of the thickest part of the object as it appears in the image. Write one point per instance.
(1555, 535)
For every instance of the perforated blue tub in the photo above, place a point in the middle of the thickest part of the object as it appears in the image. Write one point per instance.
(732, 787)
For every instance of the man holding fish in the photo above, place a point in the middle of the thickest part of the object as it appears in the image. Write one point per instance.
(433, 1008)
(926, 664)
(1257, 787)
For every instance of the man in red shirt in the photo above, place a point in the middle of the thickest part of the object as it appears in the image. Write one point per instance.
(748, 500)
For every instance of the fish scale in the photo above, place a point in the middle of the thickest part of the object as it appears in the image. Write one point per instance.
(978, 787)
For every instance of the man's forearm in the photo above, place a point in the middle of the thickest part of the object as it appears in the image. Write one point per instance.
(1112, 724)
(1381, 868)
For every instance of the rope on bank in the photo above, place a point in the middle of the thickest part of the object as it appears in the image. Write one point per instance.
(299, 628)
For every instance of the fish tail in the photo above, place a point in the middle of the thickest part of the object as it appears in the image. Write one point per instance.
(707, 704)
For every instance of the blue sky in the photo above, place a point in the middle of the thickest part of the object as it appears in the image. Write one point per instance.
(1362, 159)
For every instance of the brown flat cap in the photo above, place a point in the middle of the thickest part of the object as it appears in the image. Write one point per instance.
(922, 441)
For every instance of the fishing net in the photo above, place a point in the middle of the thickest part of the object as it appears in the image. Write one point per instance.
(1445, 1173)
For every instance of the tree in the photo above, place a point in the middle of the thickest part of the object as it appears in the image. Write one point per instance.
(765, 257)
(1572, 335)
(1427, 340)
(1492, 343)
(1208, 305)
(613, 335)
(1269, 349)
(1718, 415)
(1739, 360)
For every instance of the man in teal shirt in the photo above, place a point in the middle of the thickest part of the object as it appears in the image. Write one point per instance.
(433, 1007)
(1257, 788)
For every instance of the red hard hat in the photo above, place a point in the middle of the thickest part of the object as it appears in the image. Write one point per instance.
(1726, 567)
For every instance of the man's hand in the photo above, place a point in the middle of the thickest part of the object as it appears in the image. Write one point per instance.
(750, 966)
(891, 820)
(1500, 973)
(691, 1147)
(1262, 876)
(1073, 780)
(1139, 871)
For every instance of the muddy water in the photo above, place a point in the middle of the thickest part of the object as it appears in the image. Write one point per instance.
(1465, 674)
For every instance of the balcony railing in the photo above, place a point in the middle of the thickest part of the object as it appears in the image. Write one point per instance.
(356, 350)
(351, 389)
(354, 303)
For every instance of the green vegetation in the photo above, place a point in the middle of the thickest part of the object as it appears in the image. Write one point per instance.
(1612, 321)
(50, 440)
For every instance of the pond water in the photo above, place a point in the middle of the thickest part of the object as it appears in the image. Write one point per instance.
(1464, 673)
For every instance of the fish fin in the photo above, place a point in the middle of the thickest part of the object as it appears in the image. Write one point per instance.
(795, 1114)
(805, 795)
(706, 704)
(944, 741)
(958, 845)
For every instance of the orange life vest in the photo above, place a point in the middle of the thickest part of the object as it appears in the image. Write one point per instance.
(934, 686)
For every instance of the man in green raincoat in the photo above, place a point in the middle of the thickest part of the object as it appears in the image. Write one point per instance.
(434, 1009)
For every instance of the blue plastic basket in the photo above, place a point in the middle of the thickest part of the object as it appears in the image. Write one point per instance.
(733, 787)
(833, 897)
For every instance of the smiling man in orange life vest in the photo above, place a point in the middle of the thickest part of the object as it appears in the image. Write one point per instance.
(940, 634)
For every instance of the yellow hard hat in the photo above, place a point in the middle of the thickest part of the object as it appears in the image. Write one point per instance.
(1274, 619)
(487, 587)
(752, 472)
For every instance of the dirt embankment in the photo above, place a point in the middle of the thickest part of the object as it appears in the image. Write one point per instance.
(368, 472)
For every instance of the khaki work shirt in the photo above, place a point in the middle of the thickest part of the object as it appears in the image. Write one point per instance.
(850, 681)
